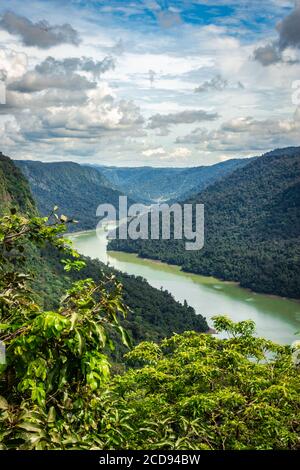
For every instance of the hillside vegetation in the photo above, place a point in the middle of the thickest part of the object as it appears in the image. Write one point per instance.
(149, 184)
(77, 190)
(252, 228)
(14, 189)
(153, 314)
(189, 392)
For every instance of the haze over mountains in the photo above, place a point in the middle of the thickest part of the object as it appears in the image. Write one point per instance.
(153, 185)
(78, 190)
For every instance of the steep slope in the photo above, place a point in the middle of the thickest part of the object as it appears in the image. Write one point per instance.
(252, 228)
(149, 185)
(77, 190)
(154, 313)
(14, 189)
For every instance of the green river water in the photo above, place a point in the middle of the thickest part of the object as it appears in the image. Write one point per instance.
(276, 318)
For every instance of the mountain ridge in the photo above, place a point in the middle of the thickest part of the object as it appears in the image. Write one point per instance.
(252, 228)
(154, 313)
(76, 189)
(158, 184)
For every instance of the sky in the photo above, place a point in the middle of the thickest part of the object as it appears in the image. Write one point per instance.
(148, 82)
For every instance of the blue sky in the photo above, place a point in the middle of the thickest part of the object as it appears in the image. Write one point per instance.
(148, 82)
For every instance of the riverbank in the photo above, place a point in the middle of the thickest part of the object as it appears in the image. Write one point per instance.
(276, 318)
(180, 269)
(213, 278)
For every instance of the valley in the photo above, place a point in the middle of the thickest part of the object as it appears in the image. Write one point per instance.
(118, 335)
(276, 318)
(150, 185)
(149, 232)
(251, 232)
(252, 228)
(75, 189)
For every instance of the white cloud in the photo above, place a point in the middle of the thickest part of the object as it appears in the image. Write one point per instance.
(181, 152)
(40, 34)
(13, 63)
(61, 109)
(154, 152)
(246, 135)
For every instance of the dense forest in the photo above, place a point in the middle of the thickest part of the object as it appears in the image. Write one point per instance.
(149, 185)
(76, 189)
(153, 313)
(14, 189)
(149, 247)
(58, 389)
(252, 228)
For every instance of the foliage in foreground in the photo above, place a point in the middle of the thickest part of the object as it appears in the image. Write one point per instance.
(192, 391)
(200, 392)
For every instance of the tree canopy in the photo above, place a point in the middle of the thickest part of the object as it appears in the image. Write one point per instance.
(191, 391)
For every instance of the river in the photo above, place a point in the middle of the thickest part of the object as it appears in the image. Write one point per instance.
(276, 318)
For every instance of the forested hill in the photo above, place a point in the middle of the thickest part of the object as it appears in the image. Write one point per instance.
(252, 228)
(149, 185)
(76, 189)
(14, 188)
(154, 313)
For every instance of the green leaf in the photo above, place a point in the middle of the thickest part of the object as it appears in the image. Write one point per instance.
(30, 427)
(51, 415)
(3, 403)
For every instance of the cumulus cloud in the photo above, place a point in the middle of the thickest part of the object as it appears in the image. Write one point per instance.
(181, 152)
(289, 37)
(268, 54)
(153, 152)
(162, 154)
(32, 82)
(217, 83)
(17, 102)
(289, 30)
(100, 114)
(10, 133)
(51, 66)
(62, 74)
(194, 137)
(130, 114)
(40, 34)
(61, 106)
(13, 63)
(163, 121)
(245, 133)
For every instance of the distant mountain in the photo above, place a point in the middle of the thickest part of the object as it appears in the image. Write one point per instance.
(14, 188)
(154, 313)
(252, 228)
(150, 185)
(76, 189)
